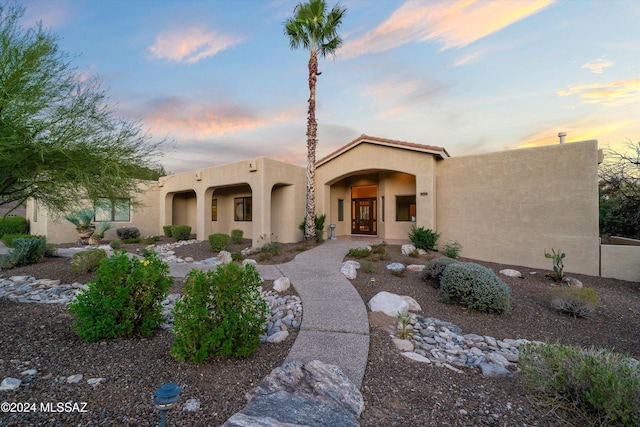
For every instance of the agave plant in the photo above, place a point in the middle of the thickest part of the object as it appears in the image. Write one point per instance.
(102, 228)
(82, 219)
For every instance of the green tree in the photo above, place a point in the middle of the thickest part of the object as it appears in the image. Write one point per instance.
(620, 192)
(60, 140)
(315, 30)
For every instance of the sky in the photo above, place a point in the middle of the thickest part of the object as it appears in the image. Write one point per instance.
(219, 81)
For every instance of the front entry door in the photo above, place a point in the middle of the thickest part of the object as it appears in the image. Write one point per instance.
(364, 216)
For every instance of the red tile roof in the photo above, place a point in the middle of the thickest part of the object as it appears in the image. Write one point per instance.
(438, 151)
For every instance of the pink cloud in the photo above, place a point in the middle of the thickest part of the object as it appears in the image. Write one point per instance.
(452, 23)
(596, 66)
(191, 44)
(604, 92)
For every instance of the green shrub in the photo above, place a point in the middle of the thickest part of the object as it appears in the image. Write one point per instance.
(166, 229)
(151, 240)
(115, 244)
(589, 387)
(423, 238)
(319, 226)
(414, 253)
(131, 240)
(13, 225)
(181, 232)
(398, 273)
(25, 250)
(434, 269)
(379, 248)
(124, 299)
(8, 238)
(236, 236)
(222, 313)
(578, 302)
(263, 256)
(50, 250)
(301, 247)
(359, 252)
(369, 267)
(272, 247)
(475, 287)
(126, 233)
(452, 249)
(219, 242)
(237, 256)
(85, 261)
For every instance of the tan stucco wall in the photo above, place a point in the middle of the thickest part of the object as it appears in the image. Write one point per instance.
(370, 163)
(510, 206)
(260, 178)
(620, 262)
(144, 216)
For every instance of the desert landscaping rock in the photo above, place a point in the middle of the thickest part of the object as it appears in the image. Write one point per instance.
(396, 266)
(350, 269)
(9, 384)
(388, 303)
(511, 273)
(281, 284)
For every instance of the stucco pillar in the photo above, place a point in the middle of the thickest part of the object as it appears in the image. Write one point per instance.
(203, 211)
(261, 215)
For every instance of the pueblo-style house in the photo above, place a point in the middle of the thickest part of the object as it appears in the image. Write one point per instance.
(505, 207)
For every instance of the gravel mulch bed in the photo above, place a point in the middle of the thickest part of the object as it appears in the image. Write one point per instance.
(397, 391)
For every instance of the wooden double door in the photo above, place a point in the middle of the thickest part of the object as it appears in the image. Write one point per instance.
(364, 213)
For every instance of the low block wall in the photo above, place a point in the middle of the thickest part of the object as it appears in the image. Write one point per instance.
(620, 262)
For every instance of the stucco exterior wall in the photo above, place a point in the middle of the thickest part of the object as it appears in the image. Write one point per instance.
(510, 206)
(620, 262)
(144, 216)
(378, 164)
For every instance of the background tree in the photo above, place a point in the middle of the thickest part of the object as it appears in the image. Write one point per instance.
(314, 29)
(620, 192)
(60, 141)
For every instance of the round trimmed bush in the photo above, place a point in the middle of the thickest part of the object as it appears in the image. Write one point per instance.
(434, 269)
(475, 287)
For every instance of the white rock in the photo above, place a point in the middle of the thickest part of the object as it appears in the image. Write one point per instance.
(416, 357)
(413, 304)
(10, 384)
(29, 372)
(416, 267)
(278, 337)
(355, 264)
(224, 257)
(511, 273)
(95, 381)
(188, 259)
(281, 284)
(493, 370)
(388, 303)
(396, 266)
(403, 345)
(349, 271)
(498, 359)
(191, 405)
(407, 249)
(572, 281)
(249, 261)
(72, 379)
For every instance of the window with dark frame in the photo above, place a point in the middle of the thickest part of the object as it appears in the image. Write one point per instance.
(118, 210)
(214, 209)
(242, 208)
(406, 208)
(340, 210)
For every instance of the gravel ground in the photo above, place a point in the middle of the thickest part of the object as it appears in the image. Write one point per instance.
(397, 391)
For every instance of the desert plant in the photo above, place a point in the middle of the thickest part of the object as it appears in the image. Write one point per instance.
(13, 225)
(359, 252)
(126, 233)
(50, 250)
(166, 229)
(414, 253)
(236, 236)
(222, 313)
(263, 256)
(398, 272)
(124, 298)
(85, 261)
(475, 287)
(9, 237)
(115, 244)
(319, 226)
(181, 232)
(578, 302)
(379, 248)
(25, 250)
(301, 247)
(405, 320)
(423, 238)
(82, 219)
(434, 269)
(150, 240)
(237, 256)
(272, 248)
(369, 267)
(452, 249)
(588, 386)
(218, 242)
(558, 266)
(131, 240)
(103, 227)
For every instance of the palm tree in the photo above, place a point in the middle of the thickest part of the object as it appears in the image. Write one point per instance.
(316, 30)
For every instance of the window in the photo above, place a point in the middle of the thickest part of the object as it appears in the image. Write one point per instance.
(340, 210)
(242, 208)
(406, 208)
(382, 208)
(116, 210)
(214, 209)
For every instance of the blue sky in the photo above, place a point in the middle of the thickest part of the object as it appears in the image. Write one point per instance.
(219, 80)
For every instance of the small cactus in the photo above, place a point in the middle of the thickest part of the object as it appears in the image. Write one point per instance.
(557, 257)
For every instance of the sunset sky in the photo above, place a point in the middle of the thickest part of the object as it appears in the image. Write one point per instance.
(218, 79)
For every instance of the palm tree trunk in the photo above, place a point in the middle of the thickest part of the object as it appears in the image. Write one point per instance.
(312, 129)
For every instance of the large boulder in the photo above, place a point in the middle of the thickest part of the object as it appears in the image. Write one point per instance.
(388, 303)
(281, 284)
(350, 269)
(224, 257)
